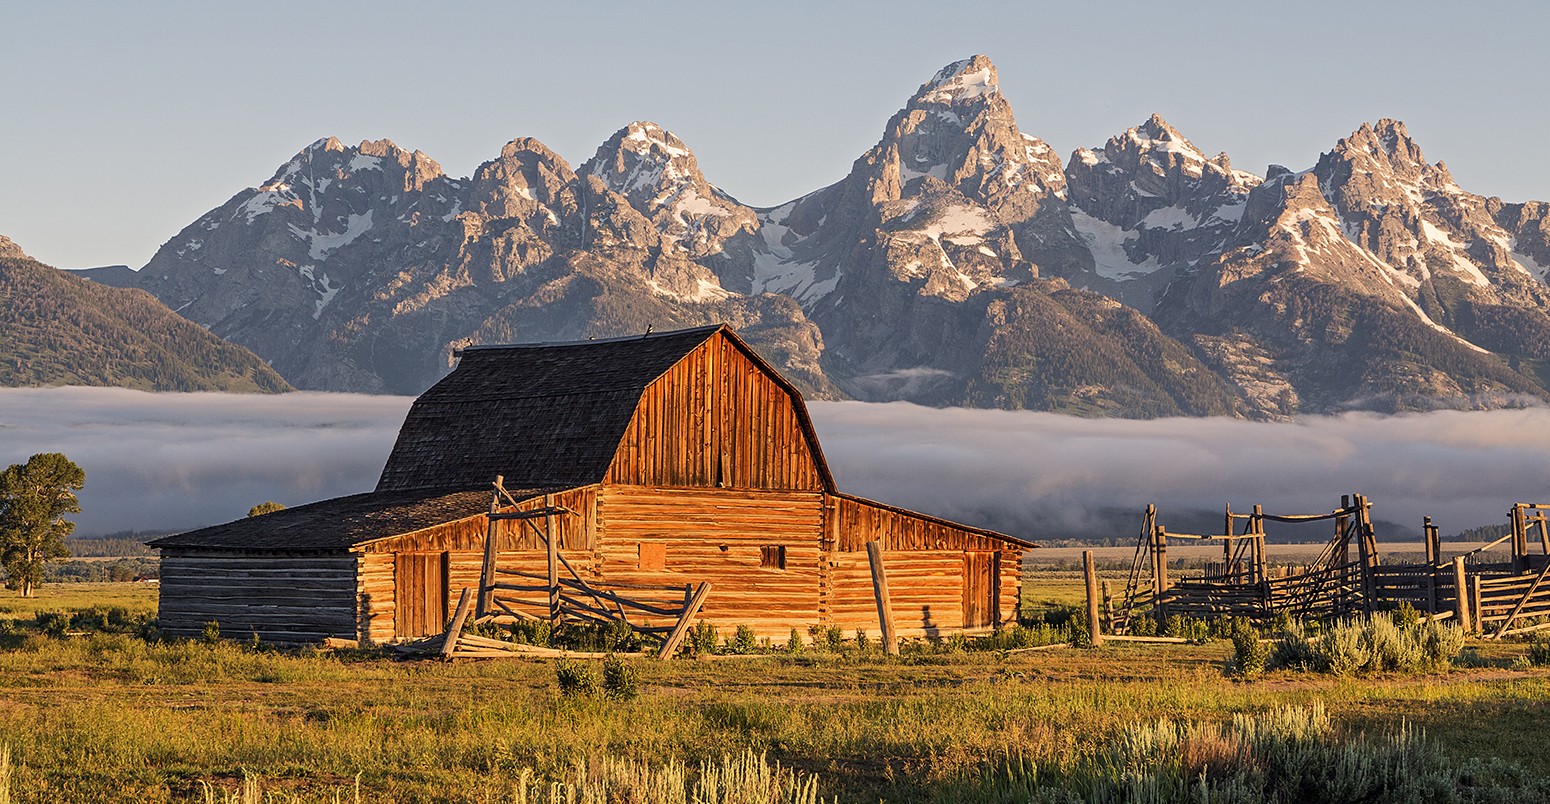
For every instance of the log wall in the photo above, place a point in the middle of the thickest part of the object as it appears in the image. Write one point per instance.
(462, 541)
(719, 535)
(285, 599)
(716, 420)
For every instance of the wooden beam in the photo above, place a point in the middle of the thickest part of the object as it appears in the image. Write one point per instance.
(455, 628)
(1094, 625)
(874, 554)
(554, 564)
(487, 572)
(1522, 601)
(676, 637)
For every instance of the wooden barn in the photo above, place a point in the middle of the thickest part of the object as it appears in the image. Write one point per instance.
(661, 461)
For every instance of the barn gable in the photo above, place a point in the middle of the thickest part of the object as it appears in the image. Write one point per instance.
(720, 417)
(560, 415)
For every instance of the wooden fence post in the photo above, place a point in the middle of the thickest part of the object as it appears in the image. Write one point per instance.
(1461, 594)
(1476, 610)
(1519, 538)
(455, 628)
(487, 571)
(554, 564)
(1094, 625)
(1160, 577)
(874, 554)
(1431, 547)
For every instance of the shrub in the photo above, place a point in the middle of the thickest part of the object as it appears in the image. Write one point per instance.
(532, 632)
(621, 681)
(1539, 651)
(863, 644)
(834, 638)
(1198, 632)
(576, 678)
(1249, 654)
(212, 632)
(1343, 651)
(743, 641)
(794, 642)
(1406, 615)
(54, 623)
(703, 638)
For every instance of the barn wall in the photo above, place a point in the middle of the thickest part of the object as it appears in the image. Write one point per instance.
(716, 420)
(519, 547)
(719, 535)
(285, 599)
(924, 586)
(925, 562)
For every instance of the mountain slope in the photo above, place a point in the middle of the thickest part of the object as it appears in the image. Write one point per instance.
(58, 329)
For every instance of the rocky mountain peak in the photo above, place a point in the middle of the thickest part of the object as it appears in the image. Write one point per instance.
(658, 174)
(964, 81)
(9, 250)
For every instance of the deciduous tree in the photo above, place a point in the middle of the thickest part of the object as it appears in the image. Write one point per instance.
(34, 498)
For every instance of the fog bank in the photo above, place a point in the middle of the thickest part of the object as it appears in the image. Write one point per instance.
(178, 461)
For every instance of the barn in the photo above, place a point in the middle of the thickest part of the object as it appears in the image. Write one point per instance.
(659, 461)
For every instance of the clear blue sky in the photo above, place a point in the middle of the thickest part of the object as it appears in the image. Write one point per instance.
(122, 122)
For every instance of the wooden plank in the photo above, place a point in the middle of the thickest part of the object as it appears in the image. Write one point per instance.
(455, 628)
(1461, 594)
(676, 636)
(874, 551)
(1090, 572)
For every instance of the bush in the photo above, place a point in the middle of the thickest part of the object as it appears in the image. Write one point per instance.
(621, 681)
(532, 632)
(863, 644)
(1249, 654)
(794, 642)
(743, 641)
(1539, 651)
(1377, 644)
(576, 678)
(212, 632)
(54, 623)
(703, 639)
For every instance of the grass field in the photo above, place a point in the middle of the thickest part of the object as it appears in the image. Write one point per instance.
(108, 717)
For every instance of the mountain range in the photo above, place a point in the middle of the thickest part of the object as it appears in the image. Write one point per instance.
(961, 261)
(59, 329)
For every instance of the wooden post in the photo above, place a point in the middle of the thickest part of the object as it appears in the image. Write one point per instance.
(1108, 605)
(692, 610)
(874, 554)
(1519, 538)
(1476, 610)
(554, 565)
(1259, 544)
(455, 628)
(1227, 529)
(1160, 580)
(1544, 534)
(1460, 593)
(487, 572)
(1094, 625)
(1431, 546)
(1363, 556)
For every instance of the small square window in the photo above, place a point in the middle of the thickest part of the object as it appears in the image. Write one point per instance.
(653, 556)
(773, 556)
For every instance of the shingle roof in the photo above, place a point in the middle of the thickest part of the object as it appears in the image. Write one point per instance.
(340, 523)
(539, 414)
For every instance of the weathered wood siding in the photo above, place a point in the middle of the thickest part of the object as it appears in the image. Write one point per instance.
(716, 420)
(285, 599)
(719, 535)
(518, 547)
(927, 562)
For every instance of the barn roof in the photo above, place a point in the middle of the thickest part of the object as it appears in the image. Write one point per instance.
(548, 414)
(340, 523)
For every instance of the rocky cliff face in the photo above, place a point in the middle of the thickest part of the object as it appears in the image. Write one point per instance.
(959, 262)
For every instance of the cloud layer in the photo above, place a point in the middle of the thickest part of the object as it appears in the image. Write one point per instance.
(177, 461)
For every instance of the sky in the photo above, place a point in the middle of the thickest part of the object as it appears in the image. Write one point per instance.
(160, 462)
(123, 122)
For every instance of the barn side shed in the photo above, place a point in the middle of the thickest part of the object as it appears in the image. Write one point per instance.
(677, 458)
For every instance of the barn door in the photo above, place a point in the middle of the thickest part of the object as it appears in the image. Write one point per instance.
(419, 594)
(981, 603)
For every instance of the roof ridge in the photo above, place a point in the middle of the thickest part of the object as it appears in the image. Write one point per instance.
(708, 329)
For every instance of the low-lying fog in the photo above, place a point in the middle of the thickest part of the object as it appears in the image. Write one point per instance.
(157, 462)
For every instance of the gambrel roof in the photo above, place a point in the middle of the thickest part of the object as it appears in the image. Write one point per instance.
(544, 414)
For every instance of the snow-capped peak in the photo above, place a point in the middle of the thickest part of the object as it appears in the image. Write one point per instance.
(960, 81)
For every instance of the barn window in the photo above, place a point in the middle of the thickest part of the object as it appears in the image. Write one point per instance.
(773, 556)
(653, 556)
